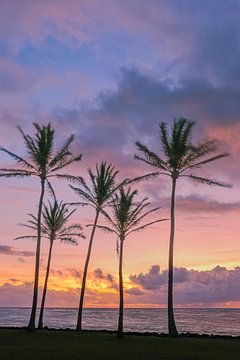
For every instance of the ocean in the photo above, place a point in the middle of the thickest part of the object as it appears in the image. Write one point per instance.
(208, 321)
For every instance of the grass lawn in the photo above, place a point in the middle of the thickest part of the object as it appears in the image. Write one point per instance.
(64, 345)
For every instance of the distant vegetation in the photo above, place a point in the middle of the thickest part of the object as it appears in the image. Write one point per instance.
(109, 197)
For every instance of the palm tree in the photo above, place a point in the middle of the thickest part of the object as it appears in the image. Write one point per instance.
(179, 158)
(44, 163)
(98, 196)
(53, 227)
(126, 219)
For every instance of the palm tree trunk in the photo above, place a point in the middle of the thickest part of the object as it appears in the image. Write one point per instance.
(120, 317)
(80, 309)
(31, 324)
(171, 322)
(40, 322)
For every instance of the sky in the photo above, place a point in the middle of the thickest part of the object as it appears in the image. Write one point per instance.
(109, 71)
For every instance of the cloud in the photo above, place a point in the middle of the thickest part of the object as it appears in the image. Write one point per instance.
(9, 250)
(200, 204)
(195, 204)
(133, 110)
(151, 280)
(134, 291)
(20, 295)
(98, 274)
(66, 273)
(13, 295)
(191, 286)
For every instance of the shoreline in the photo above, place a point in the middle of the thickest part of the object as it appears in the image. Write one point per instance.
(127, 333)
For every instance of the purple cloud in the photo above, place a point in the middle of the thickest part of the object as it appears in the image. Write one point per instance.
(191, 286)
(134, 291)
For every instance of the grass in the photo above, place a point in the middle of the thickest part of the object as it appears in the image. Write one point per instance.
(64, 345)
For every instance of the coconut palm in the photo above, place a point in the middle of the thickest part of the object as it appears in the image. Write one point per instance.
(44, 163)
(177, 160)
(98, 196)
(54, 227)
(126, 219)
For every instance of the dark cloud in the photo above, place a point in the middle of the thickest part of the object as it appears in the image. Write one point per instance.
(98, 274)
(151, 280)
(9, 250)
(133, 111)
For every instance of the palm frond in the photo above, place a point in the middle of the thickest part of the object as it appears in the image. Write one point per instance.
(9, 173)
(137, 219)
(67, 177)
(207, 181)
(69, 240)
(19, 159)
(61, 155)
(165, 146)
(84, 195)
(150, 157)
(104, 228)
(51, 190)
(26, 237)
(80, 203)
(216, 157)
(140, 228)
(145, 177)
(65, 163)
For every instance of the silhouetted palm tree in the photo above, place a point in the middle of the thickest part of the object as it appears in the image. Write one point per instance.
(44, 164)
(53, 227)
(97, 196)
(126, 219)
(180, 156)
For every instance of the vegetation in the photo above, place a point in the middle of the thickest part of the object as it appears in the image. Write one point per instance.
(62, 345)
(98, 196)
(177, 159)
(53, 227)
(126, 219)
(43, 163)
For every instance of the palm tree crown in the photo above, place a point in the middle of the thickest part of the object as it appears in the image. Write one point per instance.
(42, 162)
(54, 226)
(103, 186)
(180, 156)
(127, 214)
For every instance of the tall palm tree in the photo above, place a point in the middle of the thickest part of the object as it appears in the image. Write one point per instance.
(97, 196)
(126, 219)
(44, 163)
(177, 160)
(54, 227)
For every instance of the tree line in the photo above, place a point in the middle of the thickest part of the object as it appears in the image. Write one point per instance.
(116, 201)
